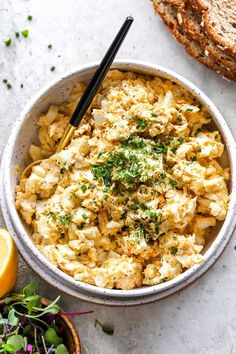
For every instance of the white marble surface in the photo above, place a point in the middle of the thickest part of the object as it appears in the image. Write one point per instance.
(202, 318)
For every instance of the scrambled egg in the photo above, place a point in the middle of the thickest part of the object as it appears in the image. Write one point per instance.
(130, 201)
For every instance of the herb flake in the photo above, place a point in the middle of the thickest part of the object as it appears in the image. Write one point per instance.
(25, 33)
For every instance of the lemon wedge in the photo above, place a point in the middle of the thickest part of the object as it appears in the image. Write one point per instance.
(8, 262)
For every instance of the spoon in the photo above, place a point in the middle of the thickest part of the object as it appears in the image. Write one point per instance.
(90, 91)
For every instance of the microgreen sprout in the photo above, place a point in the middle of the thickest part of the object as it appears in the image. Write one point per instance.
(29, 326)
(105, 328)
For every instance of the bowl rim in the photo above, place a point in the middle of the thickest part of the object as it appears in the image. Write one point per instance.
(222, 237)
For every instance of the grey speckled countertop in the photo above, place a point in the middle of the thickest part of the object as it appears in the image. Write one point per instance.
(200, 319)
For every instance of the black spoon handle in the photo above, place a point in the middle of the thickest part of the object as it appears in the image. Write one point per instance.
(99, 74)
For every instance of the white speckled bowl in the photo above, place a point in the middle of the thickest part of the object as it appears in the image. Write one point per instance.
(24, 133)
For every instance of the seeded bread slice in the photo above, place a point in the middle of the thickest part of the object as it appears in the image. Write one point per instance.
(191, 23)
(169, 13)
(219, 22)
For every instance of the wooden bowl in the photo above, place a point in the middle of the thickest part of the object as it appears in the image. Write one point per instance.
(71, 336)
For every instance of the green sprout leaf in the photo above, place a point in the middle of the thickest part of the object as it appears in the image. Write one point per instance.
(13, 320)
(53, 309)
(52, 337)
(33, 301)
(2, 321)
(105, 328)
(8, 300)
(25, 342)
(8, 348)
(16, 341)
(30, 289)
(61, 349)
(108, 330)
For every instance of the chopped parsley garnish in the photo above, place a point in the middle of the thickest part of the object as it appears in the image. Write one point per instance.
(163, 280)
(199, 150)
(154, 114)
(53, 68)
(143, 206)
(8, 85)
(128, 166)
(141, 232)
(122, 138)
(189, 109)
(180, 140)
(17, 34)
(80, 227)
(103, 172)
(179, 119)
(64, 219)
(83, 188)
(197, 131)
(60, 219)
(105, 196)
(193, 158)
(25, 33)
(174, 250)
(49, 46)
(161, 149)
(85, 216)
(163, 175)
(169, 139)
(133, 207)
(153, 214)
(149, 229)
(141, 123)
(30, 18)
(173, 183)
(63, 170)
(7, 42)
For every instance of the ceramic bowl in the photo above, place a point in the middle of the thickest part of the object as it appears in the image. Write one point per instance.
(24, 133)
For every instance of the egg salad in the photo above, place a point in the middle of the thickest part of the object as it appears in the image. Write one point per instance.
(131, 200)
